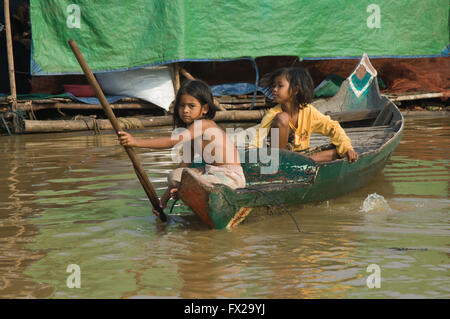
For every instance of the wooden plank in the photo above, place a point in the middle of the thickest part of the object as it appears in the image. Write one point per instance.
(232, 116)
(242, 106)
(235, 99)
(82, 106)
(353, 115)
(47, 101)
(370, 139)
(415, 96)
(384, 114)
(366, 129)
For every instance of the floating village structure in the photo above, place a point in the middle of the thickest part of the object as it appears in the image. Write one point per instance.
(140, 51)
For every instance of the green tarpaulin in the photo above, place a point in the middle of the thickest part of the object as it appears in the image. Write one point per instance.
(117, 34)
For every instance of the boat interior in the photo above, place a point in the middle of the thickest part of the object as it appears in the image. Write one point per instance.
(379, 127)
(364, 139)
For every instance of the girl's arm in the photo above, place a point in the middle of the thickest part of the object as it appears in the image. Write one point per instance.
(179, 135)
(326, 126)
(126, 139)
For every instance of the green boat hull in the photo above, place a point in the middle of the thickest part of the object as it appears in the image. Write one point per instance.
(223, 205)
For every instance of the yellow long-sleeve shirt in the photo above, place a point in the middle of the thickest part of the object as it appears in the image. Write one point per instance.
(309, 120)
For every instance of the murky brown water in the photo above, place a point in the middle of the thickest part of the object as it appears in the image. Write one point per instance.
(74, 199)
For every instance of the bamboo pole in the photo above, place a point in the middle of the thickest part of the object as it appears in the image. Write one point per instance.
(186, 74)
(79, 106)
(176, 77)
(139, 170)
(239, 100)
(12, 78)
(34, 126)
(411, 97)
(219, 106)
(244, 106)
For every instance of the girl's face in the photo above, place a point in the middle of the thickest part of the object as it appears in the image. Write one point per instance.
(190, 109)
(281, 90)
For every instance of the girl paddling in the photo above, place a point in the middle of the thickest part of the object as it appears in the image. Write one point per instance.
(194, 110)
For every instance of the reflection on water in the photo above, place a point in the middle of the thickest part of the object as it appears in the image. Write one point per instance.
(74, 199)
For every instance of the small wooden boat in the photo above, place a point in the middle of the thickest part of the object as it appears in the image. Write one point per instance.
(373, 123)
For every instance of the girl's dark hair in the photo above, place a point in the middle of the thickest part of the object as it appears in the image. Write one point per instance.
(297, 77)
(199, 90)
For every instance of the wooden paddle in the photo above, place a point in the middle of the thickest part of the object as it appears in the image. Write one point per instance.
(142, 176)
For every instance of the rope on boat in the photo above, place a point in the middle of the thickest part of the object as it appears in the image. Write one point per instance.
(130, 123)
(87, 120)
(96, 127)
(31, 114)
(279, 204)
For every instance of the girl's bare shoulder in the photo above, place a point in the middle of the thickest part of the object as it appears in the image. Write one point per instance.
(203, 124)
(207, 123)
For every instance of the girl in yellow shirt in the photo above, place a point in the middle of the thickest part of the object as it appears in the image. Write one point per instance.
(295, 118)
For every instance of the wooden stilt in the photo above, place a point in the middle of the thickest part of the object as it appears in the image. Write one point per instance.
(176, 77)
(12, 78)
(186, 74)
